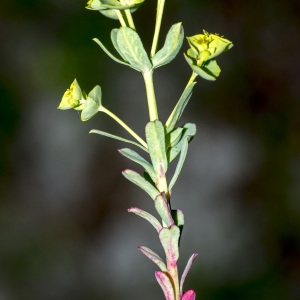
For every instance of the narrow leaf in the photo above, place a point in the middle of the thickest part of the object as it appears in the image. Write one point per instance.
(162, 207)
(189, 131)
(171, 47)
(154, 257)
(131, 47)
(169, 238)
(110, 54)
(155, 137)
(140, 181)
(132, 155)
(181, 160)
(189, 295)
(178, 217)
(166, 285)
(117, 138)
(143, 214)
(179, 108)
(186, 270)
(173, 137)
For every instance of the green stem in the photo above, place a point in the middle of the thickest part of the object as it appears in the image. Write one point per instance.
(192, 79)
(129, 19)
(120, 17)
(159, 14)
(152, 107)
(125, 126)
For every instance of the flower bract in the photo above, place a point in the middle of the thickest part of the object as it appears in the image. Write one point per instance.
(109, 7)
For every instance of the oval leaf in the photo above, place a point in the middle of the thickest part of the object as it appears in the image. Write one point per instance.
(169, 238)
(155, 137)
(171, 47)
(92, 104)
(131, 47)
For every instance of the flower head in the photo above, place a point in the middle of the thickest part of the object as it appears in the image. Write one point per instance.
(72, 98)
(203, 50)
(108, 7)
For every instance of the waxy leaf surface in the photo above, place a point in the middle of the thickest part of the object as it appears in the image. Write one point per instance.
(169, 238)
(140, 181)
(143, 214)
(131, 47)
(171, 47)
(162, 207)
(154, 257)
(166, 285)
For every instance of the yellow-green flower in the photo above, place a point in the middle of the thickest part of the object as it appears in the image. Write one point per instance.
(201, 56)
(108, 7)
(207, 46)
(72, 98)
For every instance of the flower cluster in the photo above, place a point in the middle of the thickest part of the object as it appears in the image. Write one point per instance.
(75, 98)
(201, 56)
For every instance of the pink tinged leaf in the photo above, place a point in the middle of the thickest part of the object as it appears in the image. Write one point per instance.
(189, 295)
(162, 207)
(154, 257)
(169, 238)
(186, 270)
(166, 285)
(143, 214)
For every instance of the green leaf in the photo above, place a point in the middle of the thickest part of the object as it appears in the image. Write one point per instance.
(209, 70)
(166, 284)
(173, 137)
(140, 181)
(154, 257)
(132, 155)
(179, 108)
(110, 54)
(155, 137)
(113, 36)
(212, 68)
(143, 214)
(92, 104)
(171, 47)
(169, 238)
(117, 138)
(183, 152)
(162, 207)
(178, 217)
(189, 130)
(131, 47)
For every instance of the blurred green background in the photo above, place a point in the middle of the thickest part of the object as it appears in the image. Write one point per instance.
(64, 229)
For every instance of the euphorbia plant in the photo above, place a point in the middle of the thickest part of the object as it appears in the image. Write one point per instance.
(163, 141)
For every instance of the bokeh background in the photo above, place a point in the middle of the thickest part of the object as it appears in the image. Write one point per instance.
(64, 229)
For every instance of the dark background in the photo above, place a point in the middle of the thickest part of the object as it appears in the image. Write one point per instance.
(64, 229)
